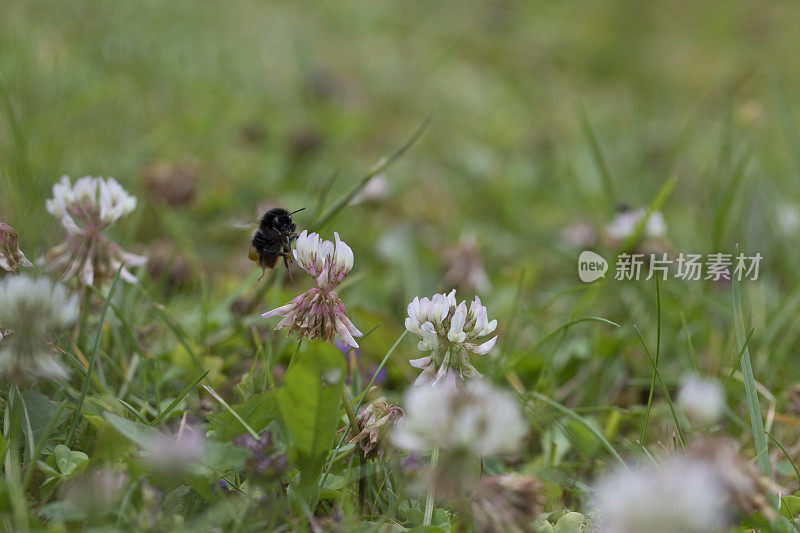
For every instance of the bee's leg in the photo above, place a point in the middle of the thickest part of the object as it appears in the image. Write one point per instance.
(263, 273)
(286, 262)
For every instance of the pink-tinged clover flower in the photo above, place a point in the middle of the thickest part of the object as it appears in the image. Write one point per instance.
(319, 313)
(87, 209)
(451, 331)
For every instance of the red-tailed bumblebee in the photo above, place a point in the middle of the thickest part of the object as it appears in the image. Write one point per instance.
(273, 238)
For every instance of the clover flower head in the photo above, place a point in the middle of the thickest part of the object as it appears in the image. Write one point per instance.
(627, 220)
(701, 400)
(327, 262)
(680, 494)
(90, 201)
(507, 503)
(746, 487)
(30, 310)
(477, 419)
(450, 331)
(375, 422)
(180, 453)
(11, 257)
(86, 209)
(319, 313)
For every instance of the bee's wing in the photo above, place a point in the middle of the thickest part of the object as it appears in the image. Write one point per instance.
(242, 223)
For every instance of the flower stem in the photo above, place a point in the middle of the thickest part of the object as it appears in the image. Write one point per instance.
(426, 521)
(12, 428)
(351, 415)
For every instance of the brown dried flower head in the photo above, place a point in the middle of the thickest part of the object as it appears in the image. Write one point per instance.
(745, 485)
(171, 184)
(506, 503)
(11, 257)
(375, 423)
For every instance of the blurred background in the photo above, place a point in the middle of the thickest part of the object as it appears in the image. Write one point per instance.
(543, 118)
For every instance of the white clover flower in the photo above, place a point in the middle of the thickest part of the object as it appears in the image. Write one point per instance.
(176, 454)
(451, 331)
(319, 313)
(86, 209)
(31, 309)
(701, 400)
(787, 218)
(375, 190)
(627, 220)
(328, 262)
(477, 419)
(11, 257)
(678, 496)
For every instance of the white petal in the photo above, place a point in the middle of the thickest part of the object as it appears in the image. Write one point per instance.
(412, 325)
(280, 311)
(421, 363)
(483, 349)
(343, 332)
(456, 333)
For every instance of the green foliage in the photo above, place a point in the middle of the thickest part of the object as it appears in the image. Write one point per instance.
(309, 403)
(505, 121)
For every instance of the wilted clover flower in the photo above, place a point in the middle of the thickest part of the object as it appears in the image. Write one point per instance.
(319, 313)
(31, 309)
(506, 503)
(450, 331)
(745, 486)
(375, 423)
(477, 419)
(86, 209)
(680, 495)
(11, 257)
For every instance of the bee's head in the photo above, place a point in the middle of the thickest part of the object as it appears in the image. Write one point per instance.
(279, 219)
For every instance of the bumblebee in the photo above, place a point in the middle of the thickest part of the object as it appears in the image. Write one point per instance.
(273, 238)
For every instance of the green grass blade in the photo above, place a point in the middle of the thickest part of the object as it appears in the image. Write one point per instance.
(382, 165)
(690, 347)
(93, 357)
(569, 412)
(235, 415)
(597, 156)
(177, 400)
(756, 421)
(657, 376)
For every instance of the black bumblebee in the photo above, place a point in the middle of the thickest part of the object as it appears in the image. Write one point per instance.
(273, 238)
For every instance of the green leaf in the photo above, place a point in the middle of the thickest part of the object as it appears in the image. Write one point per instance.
(40, 410)
(258, 411)
(62, 511)
(790, 506)
(109, 443)
(570, 523)
(70, 463)
(309, 405)
(332, 487)
(139, 434)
